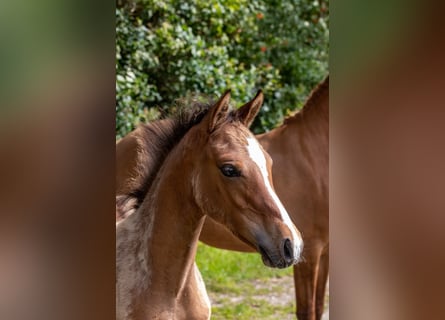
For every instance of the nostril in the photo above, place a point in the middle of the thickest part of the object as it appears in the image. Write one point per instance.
(288, 251)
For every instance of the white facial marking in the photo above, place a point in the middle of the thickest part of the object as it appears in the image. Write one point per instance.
(257, 155)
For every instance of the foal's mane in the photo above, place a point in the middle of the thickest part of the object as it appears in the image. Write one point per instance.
(312, 103)
(158, 138)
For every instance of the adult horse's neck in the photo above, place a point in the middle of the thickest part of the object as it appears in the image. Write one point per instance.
(156, 245)
(307, 135)
(315, 114)
(311, 125)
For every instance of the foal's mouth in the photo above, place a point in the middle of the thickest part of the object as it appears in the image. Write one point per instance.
(271, 260)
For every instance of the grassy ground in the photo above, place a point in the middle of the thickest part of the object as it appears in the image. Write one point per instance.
(241, 287)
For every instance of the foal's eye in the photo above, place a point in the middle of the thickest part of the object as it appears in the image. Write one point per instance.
(230, 171)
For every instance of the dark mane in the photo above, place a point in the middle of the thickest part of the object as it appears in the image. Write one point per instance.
(155, 140)
(312, 102)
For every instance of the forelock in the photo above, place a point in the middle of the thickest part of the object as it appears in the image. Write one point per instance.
(234, 133)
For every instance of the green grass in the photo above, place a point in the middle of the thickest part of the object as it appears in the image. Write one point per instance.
(242, 287)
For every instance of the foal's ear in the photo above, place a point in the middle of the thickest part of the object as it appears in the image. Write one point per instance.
(248, 112)
(219, 111)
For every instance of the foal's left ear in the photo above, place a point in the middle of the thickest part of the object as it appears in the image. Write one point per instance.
(247, 113)
(219, 111)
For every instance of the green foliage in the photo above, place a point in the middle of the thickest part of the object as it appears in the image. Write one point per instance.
(224, 269)
(167, 50)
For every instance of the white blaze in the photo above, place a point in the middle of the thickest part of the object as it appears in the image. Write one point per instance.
(257, 155)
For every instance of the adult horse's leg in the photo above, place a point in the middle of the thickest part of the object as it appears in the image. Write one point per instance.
(323, 272)
(305, 279)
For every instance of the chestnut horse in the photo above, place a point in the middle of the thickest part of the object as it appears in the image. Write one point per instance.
(300, 152)
(205, 163)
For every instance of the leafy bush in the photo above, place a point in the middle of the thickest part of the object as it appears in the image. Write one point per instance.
(167, 50)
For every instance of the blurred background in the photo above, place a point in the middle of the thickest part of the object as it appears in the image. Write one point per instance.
(58, 105)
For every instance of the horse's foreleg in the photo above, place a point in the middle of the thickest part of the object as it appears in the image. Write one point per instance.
(305, 278)
(323, 273)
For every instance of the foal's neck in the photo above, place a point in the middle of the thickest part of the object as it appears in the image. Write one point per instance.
(177, 222)
(166, 229)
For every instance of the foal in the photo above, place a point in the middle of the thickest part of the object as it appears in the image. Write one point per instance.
(207, 163)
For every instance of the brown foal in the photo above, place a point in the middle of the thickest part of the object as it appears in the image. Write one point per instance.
(206, 163)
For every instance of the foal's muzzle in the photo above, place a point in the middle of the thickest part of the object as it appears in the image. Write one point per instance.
(281, 258)
(287, 252)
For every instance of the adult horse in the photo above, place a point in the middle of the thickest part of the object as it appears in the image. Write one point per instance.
(300, 152)
(204, 163)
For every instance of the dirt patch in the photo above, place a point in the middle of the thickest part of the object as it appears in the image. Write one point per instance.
(278, 292)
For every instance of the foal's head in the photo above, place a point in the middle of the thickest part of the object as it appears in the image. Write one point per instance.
(233, 183)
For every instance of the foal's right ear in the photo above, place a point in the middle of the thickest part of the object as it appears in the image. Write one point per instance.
(219, 111)
(247, 113)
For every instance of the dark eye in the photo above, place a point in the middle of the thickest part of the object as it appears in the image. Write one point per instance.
(230, 171)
